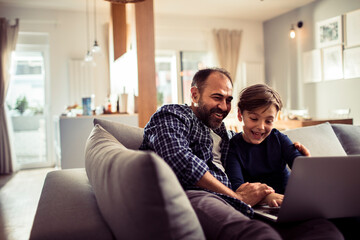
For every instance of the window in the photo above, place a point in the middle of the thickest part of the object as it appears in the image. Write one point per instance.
(166, 78)
(191, 62)
(174, 73)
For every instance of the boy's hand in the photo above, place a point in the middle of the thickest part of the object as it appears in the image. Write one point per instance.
(273, 199)
(302, 149)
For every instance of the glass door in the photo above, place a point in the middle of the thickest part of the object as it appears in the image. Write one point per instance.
(26, 101)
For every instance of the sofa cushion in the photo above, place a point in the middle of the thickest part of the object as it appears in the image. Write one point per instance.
(349, 136)
(319, 139)
(137, 192)
(67, 209)
(131, 137)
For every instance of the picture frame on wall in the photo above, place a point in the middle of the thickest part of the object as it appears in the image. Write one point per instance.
(312, 66)
(332, 63)
(329, 32)
(352, 33)
(352, 63)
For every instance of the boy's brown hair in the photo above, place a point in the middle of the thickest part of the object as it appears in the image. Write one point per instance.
(257, 96)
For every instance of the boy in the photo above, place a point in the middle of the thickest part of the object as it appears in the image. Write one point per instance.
(260, 153)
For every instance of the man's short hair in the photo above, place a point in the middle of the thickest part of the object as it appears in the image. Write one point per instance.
(257, 96)
(201, 76)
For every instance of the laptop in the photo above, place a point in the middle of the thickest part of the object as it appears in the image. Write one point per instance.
(319, 187)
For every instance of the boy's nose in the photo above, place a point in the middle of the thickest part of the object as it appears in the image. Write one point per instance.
(261, 125)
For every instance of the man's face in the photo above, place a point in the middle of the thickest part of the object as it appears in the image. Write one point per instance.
(214, 103)
(257, 124)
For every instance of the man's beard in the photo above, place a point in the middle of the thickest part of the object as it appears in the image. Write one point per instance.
(206, 115)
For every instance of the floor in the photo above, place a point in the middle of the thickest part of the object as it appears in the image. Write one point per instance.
(19, 196)
(30, 146)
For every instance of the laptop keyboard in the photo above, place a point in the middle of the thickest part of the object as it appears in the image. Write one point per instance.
(273, 211)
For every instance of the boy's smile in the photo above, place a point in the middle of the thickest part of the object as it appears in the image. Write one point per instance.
(257, 124)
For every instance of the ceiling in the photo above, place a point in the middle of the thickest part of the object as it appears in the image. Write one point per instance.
(258, 10)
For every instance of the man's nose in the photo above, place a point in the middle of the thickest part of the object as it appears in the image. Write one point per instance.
(223, 105)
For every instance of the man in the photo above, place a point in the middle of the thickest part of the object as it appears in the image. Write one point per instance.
(194, 142)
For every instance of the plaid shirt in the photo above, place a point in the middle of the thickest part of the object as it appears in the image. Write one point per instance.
(184, 142)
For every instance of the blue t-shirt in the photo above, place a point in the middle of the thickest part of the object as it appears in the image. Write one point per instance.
(264, 162)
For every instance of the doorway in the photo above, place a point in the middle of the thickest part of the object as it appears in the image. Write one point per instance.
(27, 102)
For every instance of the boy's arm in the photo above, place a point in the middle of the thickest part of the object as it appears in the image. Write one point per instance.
(232, 166)
(302, 149)
(291, 150)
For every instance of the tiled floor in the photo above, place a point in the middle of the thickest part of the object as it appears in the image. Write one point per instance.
(19, 196)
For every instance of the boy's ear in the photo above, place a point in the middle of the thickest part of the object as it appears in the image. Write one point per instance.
(239, 115)
(195, 95)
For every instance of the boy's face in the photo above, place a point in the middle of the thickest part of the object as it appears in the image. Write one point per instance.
(257, 124)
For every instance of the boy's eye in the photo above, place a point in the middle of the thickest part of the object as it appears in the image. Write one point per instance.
(269, 121)
(253, 119)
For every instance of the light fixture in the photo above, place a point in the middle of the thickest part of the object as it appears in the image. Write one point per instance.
(124, 1)
(88, 55)
(96, 48)
(292, 29)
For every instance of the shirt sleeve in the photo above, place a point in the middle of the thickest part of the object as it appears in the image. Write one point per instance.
(233, 166)
(168, 135)
(289, 151)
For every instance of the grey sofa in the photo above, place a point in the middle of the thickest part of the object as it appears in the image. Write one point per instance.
(124, 193)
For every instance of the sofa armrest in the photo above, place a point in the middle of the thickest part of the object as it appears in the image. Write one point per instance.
(68, 209)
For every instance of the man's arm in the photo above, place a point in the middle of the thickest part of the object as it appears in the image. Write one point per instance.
(250, 193)
(209, 182)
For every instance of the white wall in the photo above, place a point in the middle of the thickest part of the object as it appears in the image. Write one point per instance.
(195, 34)
(283, 61)
(67, 40)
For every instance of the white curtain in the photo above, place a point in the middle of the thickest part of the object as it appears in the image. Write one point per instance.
(81, 80)
(227, 44)
(8, 38)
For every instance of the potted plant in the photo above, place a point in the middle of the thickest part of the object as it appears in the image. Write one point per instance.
(21, 104)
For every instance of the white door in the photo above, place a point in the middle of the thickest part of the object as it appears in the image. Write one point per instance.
(27, 101)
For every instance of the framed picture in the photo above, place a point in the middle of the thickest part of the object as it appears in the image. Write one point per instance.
(312, 66)
(352, 33)
(352, 63)
(332, 63)
(329, 32)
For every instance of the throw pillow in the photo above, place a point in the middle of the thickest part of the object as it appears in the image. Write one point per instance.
(349, 136)
(319, 139)
(137, 192)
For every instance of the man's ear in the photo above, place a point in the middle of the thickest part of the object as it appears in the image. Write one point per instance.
(195, 95)
(239, 115)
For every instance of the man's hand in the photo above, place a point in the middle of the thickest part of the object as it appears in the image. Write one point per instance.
(302, 149)
(252, 193)
(274, 199)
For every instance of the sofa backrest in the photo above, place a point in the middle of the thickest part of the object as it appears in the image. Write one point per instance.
(320, 139)
(131, 137)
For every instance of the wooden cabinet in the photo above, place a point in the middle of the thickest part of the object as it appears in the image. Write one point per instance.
(290, 124)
